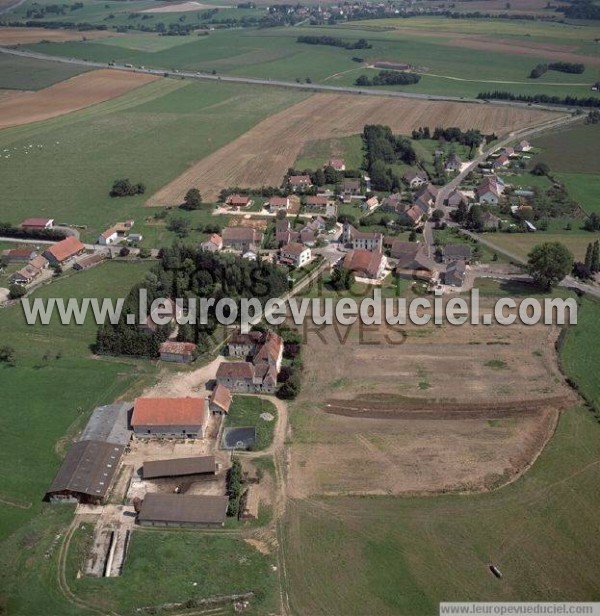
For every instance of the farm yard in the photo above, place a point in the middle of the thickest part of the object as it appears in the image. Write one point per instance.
(390, 555)
(281, 137)
(76, 93)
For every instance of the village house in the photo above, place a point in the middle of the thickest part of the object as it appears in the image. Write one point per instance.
(489, 191)
(277, 204)
(523, 146)
(456, 198)
(370, 204)
(63, 251)
(455, 273)
(18, 255)
(453, 164)
(220, 400)
(366, 263)
(412, 216)
(299, 182)
(412, 260)
(169, 417)
(284, 233)
(415, 178)
(490, 221)
(501, 162)
(508, 151)
(338, 164)
(393, 203)
(316, 203)
(241, 238)
(367, 241)
(40, 262)
(259, 374)
(427, 194)
(25, 275)
(178, 352)
(238, 202)
(350, 188)
(110, 236)
(37, 224)
(456, 252)
(213, 244)
(294, 254)
(308, 237)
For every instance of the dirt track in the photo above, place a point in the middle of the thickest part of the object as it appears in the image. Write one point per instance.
(261, 156)
(67, 96)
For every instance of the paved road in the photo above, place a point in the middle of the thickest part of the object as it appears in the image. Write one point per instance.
(312, 87)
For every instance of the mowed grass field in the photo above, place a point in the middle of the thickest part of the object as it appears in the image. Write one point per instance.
(18, 73)
(149, 135)
(384, 555)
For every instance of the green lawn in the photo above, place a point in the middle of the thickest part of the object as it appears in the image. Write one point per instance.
(385, 555)
(150, 135)
(18, 73)
(198, 565)
(245, 411)
(317, 153)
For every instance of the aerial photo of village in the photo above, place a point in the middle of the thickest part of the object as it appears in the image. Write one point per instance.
(299, 307)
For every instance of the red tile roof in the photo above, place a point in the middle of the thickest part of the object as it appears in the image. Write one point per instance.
(221, 396)
(235, 370)
(168, 412)
(177, 348)
(363, 261)
(37, 222)
(65, 249)
(293, 249)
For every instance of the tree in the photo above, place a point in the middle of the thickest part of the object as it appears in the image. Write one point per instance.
(581, 271)
(474, 218)
(592, 223)
(341, 279)
(588, 255)
(595, 262)
(179, 225)
(549, 263)
(412, 236)
(15, 291)
(540, 168)
(192, 199)
(124, 188)
(7, 355)
(437, 215)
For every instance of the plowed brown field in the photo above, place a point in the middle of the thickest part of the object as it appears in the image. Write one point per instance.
(76, 93)
(27, 36)
(261, 156)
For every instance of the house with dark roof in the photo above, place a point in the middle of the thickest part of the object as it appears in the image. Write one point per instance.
(415, 178)
(412, 260)
(169, 417)
(19, 255)
(456, 252)
(455, 198)
(179, 467)
(455, 273)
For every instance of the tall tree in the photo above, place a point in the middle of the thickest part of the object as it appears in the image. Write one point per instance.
(549, 263)
(595, 264)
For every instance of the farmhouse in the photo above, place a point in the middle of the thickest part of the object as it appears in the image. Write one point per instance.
(179, 467)
(178, 352)
(277, 204)
(413, 216)
(239, 201)
(40, 262)
(299, 182)
(501, 162)
(36, 224)
(241, 238)
(220, 400)
(244, 345)
(455, 273)
(258, 375)
(25, 275)
(454, 163)
(295, 254)
(213, 244)
(456, 198)
(488, 191)
(183, 511)
(86, 473)
(456, 252)
(169, 417)
(64, 250)
(412, 260)
(338, 164)
(365, 263)
(415, 178)
(18, 255)
(367, 241)
(88, 261)
(110, 236)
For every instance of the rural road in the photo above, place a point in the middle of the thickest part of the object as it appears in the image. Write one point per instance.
(311, 87)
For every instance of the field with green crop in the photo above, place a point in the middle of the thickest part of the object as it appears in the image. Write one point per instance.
(18, 73)
(388, 555)
(150, 135)
(433, 46)
(317, 153)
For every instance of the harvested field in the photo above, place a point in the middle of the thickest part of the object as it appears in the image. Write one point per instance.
(183, 7)
(451, 408)
(261, 156)
(67, 96)
(28, 36)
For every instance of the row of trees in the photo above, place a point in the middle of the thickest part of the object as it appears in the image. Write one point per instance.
(52, 235)
(543, 99)
(125, 188)
(389, 78)
(333, 41)
(592, 257)
(562, 67)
